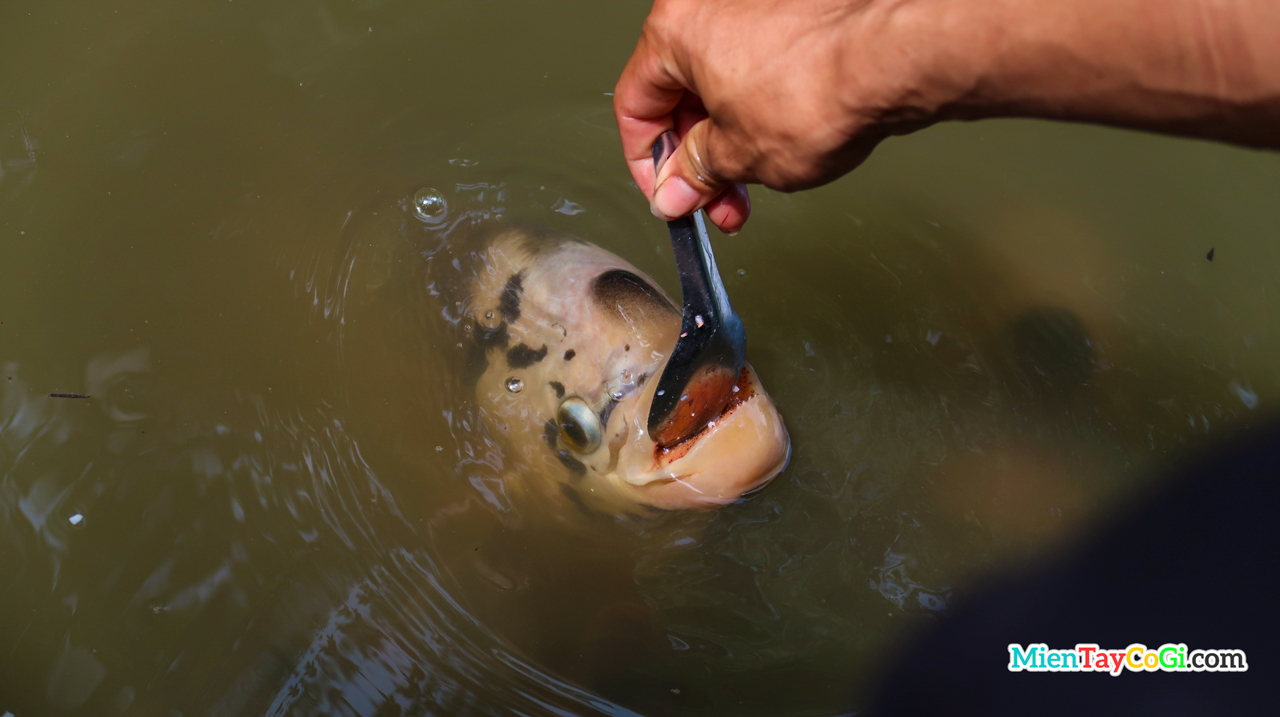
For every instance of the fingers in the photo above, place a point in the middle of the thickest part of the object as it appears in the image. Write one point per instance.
(650, 99)
(690, 181)
(730, 210)
(644, 100)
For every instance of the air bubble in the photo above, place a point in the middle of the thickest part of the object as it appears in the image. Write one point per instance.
(660, 393)
(515, 385)
(76, 520)
(742, 272)
(488, 315)
(429, 204)
(698, 320)
(735, 389)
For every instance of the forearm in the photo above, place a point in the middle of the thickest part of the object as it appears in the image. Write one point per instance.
(1206, 68)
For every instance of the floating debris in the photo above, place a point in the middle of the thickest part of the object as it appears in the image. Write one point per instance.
(76, 520)
(698, 320)
(1209, 256)
(68, 395)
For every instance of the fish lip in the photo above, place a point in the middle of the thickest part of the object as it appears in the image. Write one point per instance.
(752, 447)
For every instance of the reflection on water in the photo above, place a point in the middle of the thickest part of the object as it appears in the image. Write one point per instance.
(280, 498)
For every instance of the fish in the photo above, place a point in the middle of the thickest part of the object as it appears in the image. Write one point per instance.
(566, 342)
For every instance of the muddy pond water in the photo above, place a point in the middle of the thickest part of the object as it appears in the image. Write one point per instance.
(276, 499)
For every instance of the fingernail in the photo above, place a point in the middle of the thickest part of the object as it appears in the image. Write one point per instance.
(675, 198)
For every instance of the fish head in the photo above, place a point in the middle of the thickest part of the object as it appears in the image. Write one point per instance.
(570, 340)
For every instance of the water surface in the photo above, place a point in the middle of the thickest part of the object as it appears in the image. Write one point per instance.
(278, 501)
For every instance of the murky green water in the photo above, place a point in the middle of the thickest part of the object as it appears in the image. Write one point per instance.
(274, 502)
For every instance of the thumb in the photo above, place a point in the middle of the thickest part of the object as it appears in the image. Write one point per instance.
(688, 180)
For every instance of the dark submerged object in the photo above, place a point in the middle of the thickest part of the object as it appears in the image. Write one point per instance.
(712, 348)
(1193, 563)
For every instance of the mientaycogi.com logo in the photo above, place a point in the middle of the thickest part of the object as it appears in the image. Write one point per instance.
(1135, 658)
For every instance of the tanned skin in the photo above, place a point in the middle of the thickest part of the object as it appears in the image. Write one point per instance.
(792, 94)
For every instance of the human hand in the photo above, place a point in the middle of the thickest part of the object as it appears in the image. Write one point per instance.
(794, 93)
(787, 93)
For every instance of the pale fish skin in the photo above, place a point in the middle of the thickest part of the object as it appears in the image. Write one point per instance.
(556, 318)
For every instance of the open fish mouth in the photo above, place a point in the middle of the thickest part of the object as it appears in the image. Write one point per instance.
(738, 452)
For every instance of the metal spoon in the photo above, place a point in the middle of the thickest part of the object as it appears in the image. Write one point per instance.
(699, 378)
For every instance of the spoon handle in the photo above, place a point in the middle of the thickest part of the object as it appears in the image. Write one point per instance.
(701, 288)
(711, 350)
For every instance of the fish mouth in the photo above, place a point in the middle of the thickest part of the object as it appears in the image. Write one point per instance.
(738, 452)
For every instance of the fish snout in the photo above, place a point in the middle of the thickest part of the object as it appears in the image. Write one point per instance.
(739, 451)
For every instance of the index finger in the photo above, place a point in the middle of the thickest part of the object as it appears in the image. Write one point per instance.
(643, 103)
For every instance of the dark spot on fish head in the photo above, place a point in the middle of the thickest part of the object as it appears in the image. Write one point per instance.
(576, 498)
(551, 433)
(627, 347)
(558, 388)
(509, 300)
(482, 339)
(521, 356)
(631, 296)
(568, 355)
(566, 459)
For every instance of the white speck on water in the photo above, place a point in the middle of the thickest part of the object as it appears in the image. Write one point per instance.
(742, 272)
(76, 520)
(1247, 397)
(684, 334)
(684, 397)
(439, 449)
(932, 337)
(735, 389)
(661, 393)
(515, 385)
(698, 320)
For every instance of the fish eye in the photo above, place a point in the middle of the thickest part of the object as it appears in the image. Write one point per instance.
(579, 425)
